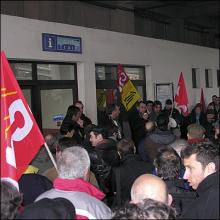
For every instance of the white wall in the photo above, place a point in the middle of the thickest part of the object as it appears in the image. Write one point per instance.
(164, 60)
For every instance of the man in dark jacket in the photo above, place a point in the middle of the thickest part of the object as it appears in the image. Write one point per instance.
(130, 167)
(202, 172)
(160, 138)
(103, 156)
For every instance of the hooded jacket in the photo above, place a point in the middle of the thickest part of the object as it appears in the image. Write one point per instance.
(156, 140)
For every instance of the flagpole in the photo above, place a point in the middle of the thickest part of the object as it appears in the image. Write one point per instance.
(50, 155)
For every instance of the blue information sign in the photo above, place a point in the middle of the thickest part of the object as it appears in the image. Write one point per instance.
(60, 43)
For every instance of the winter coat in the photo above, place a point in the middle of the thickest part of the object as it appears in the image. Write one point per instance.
(206, 204)
(156, 140)
(84, 196)
(131, 166)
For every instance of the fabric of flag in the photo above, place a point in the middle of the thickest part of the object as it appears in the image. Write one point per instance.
(181, 97)
(129, 93)
(202, 101)
(21, 138)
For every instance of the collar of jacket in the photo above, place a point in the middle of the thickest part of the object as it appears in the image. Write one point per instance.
(210, 181)
(196, 140)
(78, 185)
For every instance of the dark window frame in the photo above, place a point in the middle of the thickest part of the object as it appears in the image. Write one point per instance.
(36, 85)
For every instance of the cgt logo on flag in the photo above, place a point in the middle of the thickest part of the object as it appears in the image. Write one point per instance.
(20, 136)
(129, 93)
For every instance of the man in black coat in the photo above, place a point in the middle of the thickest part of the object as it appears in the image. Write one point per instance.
(202, 172)
(160, 138)
(130, 167)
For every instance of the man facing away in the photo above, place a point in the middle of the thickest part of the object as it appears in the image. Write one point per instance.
(72, 183)
(201, 162)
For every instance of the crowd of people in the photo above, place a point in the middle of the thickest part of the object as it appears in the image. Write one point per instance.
(162, 165)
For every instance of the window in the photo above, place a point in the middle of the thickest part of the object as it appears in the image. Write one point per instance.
(218, 78)
(195, 78)
(22, 71)
(55, 72)
(48, 88)
(208, 78)
(106, 85)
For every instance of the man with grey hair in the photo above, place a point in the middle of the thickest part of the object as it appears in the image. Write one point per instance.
(72, 183)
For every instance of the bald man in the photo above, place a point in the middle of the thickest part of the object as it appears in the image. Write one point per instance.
(152, 187)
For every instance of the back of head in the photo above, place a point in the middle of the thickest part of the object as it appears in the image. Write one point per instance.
(66, 142)
(147, 209)
(195, 131)
(162, 122)
(73, 162)
(110, 108)
(52, 142)
(178, 145)
(149, 186)
(58, 208)
(167, 163)
(125, 146)
(10, 200)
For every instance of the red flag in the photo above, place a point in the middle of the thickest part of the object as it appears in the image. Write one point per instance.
(202, 101)
(122, 77)
(21, 138)
(181, 98)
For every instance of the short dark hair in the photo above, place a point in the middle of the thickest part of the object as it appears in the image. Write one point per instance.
(148, 209)
(78, 101)
(10, 200)
(67, 127)
(140, 102)
(110, 108)
(168, 163)
(72, 110)
(149, 102)
(99, 130)
(66, 142)
(126, 146)
(162, 122)
(206, 152)
(157, 102)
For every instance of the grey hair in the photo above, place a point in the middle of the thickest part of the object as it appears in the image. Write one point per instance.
(178, 144)
(73, 163)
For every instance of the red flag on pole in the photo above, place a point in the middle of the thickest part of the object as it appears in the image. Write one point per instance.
(202, 101)
(21, 138)
(181, 97)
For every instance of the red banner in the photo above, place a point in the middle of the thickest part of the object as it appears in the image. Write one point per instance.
(181, 97)
(21, 138)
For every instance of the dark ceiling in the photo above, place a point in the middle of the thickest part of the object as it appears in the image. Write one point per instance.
(199, 15)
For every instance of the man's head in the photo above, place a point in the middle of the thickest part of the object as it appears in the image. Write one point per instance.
(168, 104)
(141, 107)
(150, 186)
(200, 161)
(125, 146)
(162, 122)
(80, 105)
(97, 134)
(73, 162)
(214, 97)
(195, 131)
(178, 145)
(10, 200)
(147, 209)
(74, 113)
(149, 105)
(52, 142)
(210, 115)
(113, 111)
(157, 106)
(167, 163)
